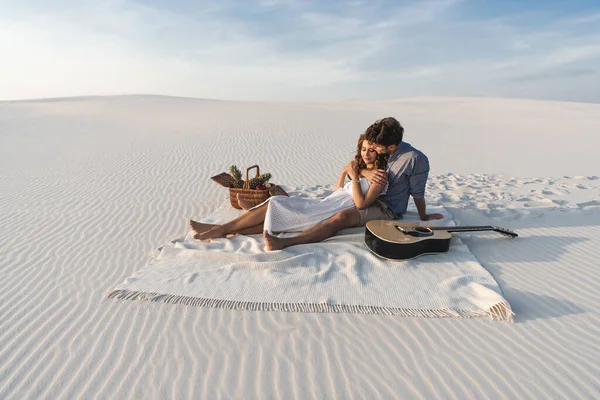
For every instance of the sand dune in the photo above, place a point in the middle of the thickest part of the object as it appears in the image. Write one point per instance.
(89, 187)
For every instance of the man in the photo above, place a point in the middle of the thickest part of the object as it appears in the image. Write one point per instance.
(406, 174)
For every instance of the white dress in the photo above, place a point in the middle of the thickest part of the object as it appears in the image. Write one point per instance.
(297, 214)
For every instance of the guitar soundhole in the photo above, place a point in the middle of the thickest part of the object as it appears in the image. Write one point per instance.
(422, 231)
(417, 231)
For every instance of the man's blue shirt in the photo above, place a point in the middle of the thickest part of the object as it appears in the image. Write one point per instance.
(407, 170)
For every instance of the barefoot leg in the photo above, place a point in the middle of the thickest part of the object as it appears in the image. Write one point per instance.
(213, 233)
(200, 227)
(344, 219)
(244, 203)
(273, 242)
(249, 220)
(253, 230)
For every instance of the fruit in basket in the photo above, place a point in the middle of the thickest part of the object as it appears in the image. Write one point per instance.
(236, 174)
(236, 180)
(261, 179)
(264, 178)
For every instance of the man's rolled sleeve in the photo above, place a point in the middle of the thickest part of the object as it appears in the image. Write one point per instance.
(418, 179)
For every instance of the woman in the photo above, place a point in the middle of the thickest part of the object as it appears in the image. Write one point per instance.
(298, 214)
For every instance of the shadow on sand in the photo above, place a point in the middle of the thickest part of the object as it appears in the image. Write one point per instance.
(532, 254)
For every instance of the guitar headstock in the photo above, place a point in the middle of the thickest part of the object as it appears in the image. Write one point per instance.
(505, 232)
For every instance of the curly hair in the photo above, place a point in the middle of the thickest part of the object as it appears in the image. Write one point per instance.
(380, 162)
(385, 132)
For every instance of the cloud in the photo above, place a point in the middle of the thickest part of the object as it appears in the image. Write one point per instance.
(555, 74)
(570, 55)
(586, 19)
(294, 49)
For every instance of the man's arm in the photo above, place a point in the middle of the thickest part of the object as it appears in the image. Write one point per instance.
(375, 176)
(422, 208)
(417, 183)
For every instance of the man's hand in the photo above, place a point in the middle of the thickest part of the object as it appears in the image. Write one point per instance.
(431, 217)
(376, 176)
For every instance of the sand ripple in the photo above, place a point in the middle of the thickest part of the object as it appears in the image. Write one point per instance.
(89, 188)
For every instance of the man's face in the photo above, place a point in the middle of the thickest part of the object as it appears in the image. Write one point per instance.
(389, 150)
(381, 149)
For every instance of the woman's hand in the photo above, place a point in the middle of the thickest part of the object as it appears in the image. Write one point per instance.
(352, 165)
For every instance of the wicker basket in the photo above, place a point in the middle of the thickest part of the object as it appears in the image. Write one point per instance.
(252, 196)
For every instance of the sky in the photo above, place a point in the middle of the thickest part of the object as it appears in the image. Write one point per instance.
(301, 50)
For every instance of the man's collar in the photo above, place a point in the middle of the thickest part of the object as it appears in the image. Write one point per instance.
(401, 149)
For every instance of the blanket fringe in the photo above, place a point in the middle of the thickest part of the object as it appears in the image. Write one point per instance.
(500, 311)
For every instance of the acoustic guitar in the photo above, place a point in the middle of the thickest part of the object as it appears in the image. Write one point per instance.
(395, 240)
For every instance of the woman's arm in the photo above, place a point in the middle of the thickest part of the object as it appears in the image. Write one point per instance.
(342, 179)
(363, 201)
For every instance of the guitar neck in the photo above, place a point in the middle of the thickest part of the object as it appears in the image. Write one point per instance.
(463, 228)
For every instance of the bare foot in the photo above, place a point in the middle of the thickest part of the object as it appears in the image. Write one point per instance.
(199, 227)
(214, 233)
(244, 203)
(273, 242)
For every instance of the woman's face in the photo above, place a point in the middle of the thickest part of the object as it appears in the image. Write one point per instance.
(368, 152)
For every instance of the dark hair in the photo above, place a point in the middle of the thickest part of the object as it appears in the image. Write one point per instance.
(385, 132)
(380, 162)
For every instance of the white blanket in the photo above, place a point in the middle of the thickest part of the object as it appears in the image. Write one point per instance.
(337, 275)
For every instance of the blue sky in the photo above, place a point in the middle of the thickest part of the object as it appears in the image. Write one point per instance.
(301, 50)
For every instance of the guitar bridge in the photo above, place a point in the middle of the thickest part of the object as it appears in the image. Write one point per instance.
(401, 229)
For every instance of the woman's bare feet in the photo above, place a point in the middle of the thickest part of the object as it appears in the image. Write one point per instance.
(214, 233)
(244, 203)
(199, 227)
(273, 242)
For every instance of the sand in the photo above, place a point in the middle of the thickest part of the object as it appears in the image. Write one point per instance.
(90, 186)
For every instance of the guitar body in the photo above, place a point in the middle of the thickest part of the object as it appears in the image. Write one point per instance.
(396, 240)
(385, 240)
